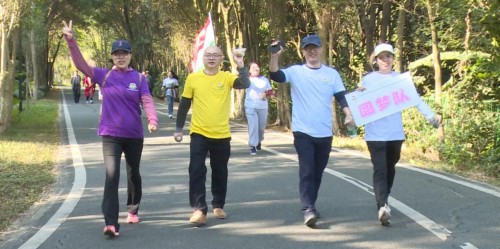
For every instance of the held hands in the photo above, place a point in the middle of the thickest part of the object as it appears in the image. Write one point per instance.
(67, 30)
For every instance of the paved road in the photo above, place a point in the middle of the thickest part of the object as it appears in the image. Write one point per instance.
(430, 210)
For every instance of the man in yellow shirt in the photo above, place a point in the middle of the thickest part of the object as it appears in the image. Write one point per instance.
(210, 93)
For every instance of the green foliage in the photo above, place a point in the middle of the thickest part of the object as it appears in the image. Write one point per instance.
(420, 135)
(491, 22)
(480, 81)
(472, 135)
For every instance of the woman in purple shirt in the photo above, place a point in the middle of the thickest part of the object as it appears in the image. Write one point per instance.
(124, 91)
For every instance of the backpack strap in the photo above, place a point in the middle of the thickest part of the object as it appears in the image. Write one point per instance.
(101, 91)
(106, 77)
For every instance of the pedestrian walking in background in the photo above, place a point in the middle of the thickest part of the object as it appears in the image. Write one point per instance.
(150, 81)
(384, 137)
(76, 86)
(170, 85)
(89, 89)
(313, 85)
(124, 91)
(209, 91)
(256, 106)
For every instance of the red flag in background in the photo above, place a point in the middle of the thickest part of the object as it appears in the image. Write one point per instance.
(204, 39)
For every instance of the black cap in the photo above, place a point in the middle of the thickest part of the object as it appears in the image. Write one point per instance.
(121, 45)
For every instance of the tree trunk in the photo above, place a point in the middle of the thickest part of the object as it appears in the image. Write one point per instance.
(468, 29)
(250, 40)
(386, 19)
(399, 63)
(4, 84)
(283, 114)
(435, 53)
(7, 71)
(436, 61)
(368, 27)
(237, 96)
(36, 78)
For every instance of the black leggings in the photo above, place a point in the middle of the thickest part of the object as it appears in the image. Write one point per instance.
(112, 149)
(384, 156)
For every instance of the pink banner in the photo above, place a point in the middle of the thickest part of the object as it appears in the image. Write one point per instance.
(392, 97)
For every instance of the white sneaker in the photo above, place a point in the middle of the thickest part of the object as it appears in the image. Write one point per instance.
(384, 215)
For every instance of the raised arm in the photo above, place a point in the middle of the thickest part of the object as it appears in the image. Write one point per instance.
(74, 51)
(274, 70)
(243, 80)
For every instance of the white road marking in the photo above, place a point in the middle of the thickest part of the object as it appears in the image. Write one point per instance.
(467, 183)
(74, 195)
(447, 178)
(468, 246)
(438, 230)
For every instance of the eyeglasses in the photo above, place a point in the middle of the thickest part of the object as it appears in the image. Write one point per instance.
(210, 56)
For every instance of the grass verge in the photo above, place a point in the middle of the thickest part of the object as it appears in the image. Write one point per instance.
(28, 153)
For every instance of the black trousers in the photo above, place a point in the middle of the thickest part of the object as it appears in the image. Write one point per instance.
(76, 95)
(220, 150)
(313, 157)
(112, 149)
(384, 156)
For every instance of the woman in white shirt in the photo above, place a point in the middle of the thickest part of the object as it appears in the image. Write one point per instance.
(256, 107)
(170, 86)
(384, 137)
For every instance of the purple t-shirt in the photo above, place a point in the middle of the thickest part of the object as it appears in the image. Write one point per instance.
(121, 111)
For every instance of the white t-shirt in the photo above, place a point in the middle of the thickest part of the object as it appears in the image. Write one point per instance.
(168, 83)
(258, 85)
(312, 92)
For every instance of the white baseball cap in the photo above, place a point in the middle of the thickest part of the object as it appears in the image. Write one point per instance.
(383, 47)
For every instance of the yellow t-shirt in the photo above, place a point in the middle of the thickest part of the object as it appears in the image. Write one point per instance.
(211, 96)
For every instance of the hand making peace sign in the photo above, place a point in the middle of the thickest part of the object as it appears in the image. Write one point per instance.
(68, 29)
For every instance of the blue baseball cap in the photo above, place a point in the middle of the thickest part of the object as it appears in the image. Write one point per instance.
(310, 39)
(121, 44)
